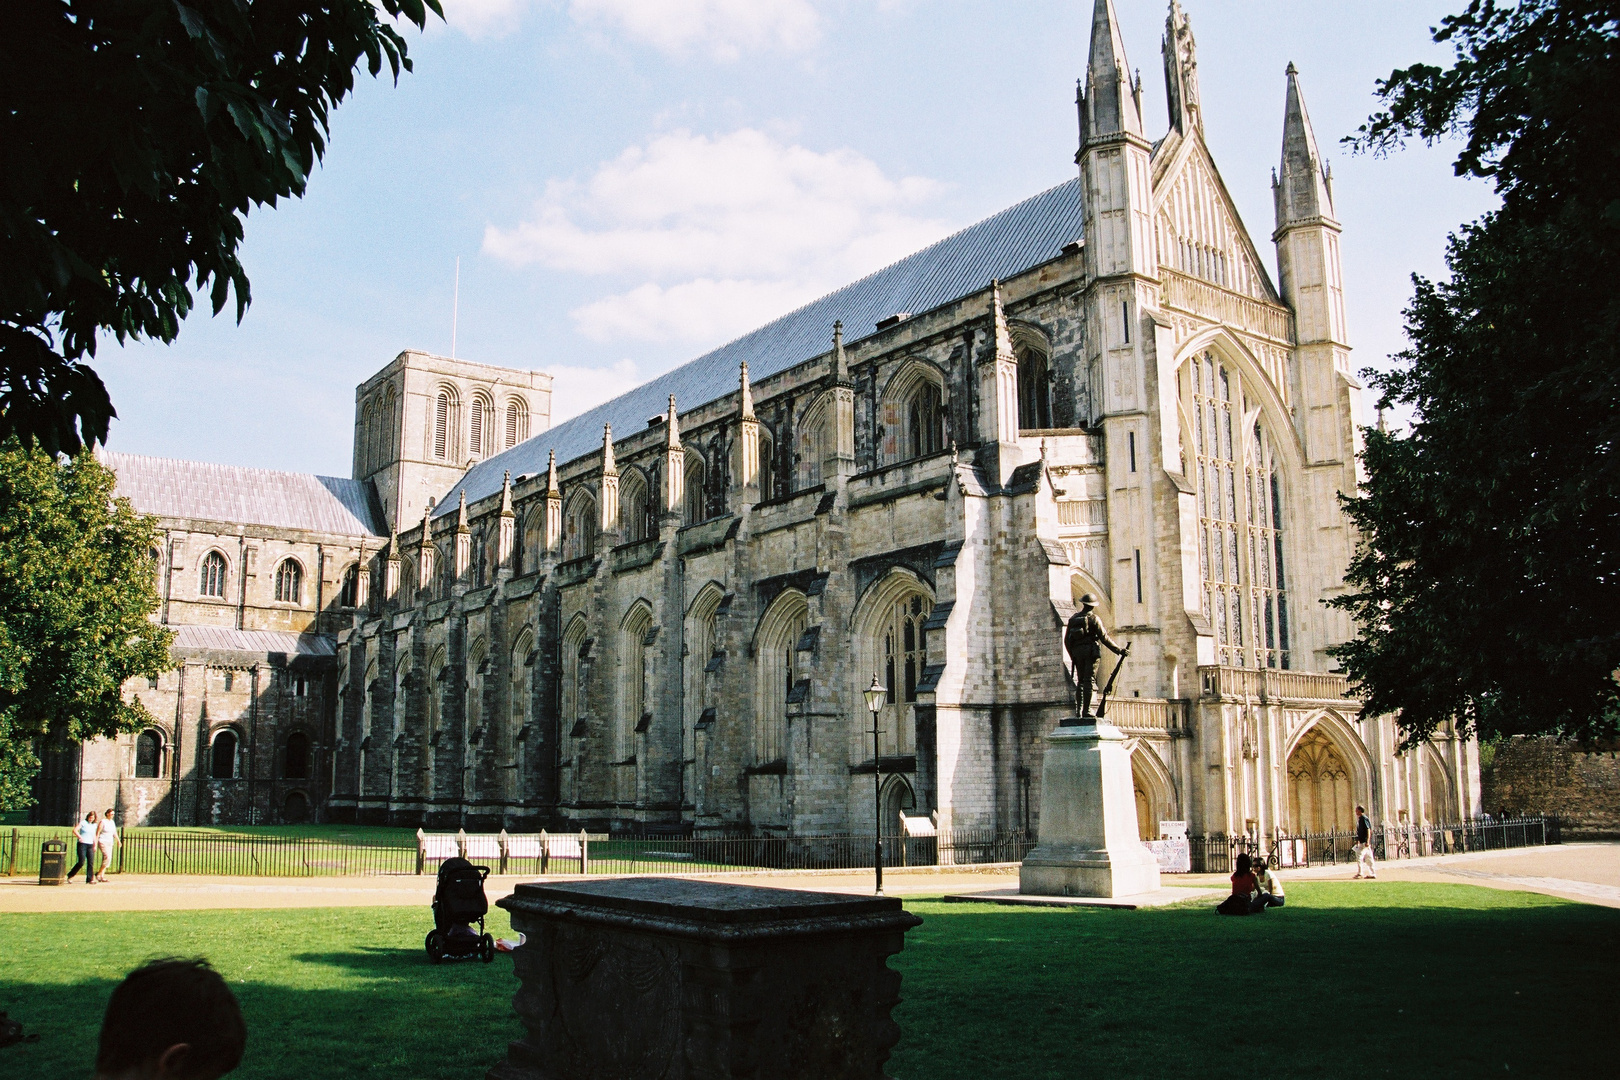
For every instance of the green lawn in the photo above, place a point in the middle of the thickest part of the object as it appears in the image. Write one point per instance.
(1352, 979)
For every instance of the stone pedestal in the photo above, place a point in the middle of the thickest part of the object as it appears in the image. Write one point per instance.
(667, 979)
(1089, 845)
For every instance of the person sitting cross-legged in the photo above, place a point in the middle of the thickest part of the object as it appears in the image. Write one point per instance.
(1271, 887)
(171, 1020)
(1244, 886)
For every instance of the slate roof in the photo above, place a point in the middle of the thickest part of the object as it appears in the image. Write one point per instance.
(1000, 246)
(196, 489)
(225, 639)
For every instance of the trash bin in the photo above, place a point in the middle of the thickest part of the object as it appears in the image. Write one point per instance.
(53, 862)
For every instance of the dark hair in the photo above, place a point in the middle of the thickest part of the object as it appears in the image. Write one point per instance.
(164, 1003)
(1243, 863)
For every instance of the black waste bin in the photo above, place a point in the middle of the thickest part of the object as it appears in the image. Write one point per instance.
(53, 862)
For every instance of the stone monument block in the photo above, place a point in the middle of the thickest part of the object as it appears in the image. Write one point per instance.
(669, 979)
(1089, 840)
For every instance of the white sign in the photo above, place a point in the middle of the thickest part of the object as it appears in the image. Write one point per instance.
(1174, 856)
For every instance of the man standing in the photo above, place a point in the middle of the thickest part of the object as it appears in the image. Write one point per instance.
(1081, 640)
(1364, 855)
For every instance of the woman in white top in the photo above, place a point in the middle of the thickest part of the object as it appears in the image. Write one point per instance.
(85, 833)
(106, 840)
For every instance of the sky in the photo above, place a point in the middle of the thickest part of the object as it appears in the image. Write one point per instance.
(629, 183)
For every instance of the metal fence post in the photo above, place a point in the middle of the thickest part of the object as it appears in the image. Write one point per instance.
(11, 863)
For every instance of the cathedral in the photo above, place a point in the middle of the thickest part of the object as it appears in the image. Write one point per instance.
(661, 615)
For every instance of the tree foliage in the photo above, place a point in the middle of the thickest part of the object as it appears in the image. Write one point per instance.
(1487, 586)
(136, 135)
(77, 591)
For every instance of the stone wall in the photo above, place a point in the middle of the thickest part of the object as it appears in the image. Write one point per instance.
(1547, 776)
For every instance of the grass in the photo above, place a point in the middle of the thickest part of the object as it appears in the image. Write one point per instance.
(1351, 979)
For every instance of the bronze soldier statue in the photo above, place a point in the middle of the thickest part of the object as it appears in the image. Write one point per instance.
(1081, 639)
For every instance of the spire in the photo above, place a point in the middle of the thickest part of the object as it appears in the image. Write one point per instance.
(461, 513)
(1181, 71)
(672, 425)
(506, 493)
(840, 361)
(609, 466)
(1304, 188)
(551, 472)
(1110, 104)
(745, 393)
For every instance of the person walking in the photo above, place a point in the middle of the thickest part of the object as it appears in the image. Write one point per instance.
(106, 840)
(85, 833)
(1364, 854)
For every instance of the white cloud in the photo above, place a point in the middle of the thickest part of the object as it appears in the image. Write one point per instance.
(483, 18)
(723, 232)
(722, 28)
(576, 389)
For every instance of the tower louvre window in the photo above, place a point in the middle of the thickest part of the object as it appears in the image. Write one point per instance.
(441, 425)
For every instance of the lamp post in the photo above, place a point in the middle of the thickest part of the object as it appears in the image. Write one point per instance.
(875, 694)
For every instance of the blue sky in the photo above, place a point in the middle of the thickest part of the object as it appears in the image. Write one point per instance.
(628, 183)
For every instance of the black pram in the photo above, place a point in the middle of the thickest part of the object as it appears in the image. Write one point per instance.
(459, 901)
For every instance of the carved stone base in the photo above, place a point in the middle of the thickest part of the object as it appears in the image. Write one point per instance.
(665, 979)
(1089, 839)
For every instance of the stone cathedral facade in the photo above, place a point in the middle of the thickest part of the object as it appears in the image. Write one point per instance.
(661, 615)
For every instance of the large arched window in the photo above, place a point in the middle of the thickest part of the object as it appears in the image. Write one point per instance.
(780, 669)
(350, 594)
(477, 666)
(390, 405)
(481, 434)
(148, 755)
(573, 674)
(368, 438)
(295, 757)
(912, 413)
(889, 639)
(633, 700)
(289, 582)
(517, 421)
(767, 465)
(812, 446)
(635, 518)
(1034, 390)
(211, 579)
(695, 495)
(579, 526)
(1240, 517)
(446, 423)
(222, 755)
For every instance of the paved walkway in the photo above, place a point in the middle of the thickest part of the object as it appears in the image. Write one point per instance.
(1589, 873)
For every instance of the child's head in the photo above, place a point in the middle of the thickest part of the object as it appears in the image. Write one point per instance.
(171, 1019)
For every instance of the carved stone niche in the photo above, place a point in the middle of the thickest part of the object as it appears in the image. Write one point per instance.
(665, 979)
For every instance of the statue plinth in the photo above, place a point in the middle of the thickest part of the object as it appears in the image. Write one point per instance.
(1090, 844)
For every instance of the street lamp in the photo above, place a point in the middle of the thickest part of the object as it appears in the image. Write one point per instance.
(875, 695)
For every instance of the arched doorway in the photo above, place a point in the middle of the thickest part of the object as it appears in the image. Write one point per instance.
(1439, 806)
(1321, 786)
(1154, 798)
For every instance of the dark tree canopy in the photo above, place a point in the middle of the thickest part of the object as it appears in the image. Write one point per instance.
(1487, 587)
(77, 591)
(135, 136)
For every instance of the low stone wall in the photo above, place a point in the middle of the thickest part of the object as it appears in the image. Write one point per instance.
(1546, 776)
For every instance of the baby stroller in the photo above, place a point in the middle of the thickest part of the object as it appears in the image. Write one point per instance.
(457, 902)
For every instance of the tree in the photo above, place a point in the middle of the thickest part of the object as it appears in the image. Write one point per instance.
(136, 135)
(77, 592)
(1487, 585)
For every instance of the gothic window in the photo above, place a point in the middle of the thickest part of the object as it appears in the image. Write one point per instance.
(767, 465)
(477, 666)
(148, 755)
(212, 578)
(367, 441)
(579, 527)
(901, 638)
(573, 685)
(295, 757)
(1034, 390)
(289, 582)
(349, 596)
(781, 667)
(632, 678)
(390, 404)
(517, 421)
(636, 520)
(1240, 534)
(694, 497)
(812, 447)
(222, 756)
(481, 434)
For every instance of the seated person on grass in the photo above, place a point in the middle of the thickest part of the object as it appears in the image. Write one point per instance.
(171, 1020)
(1271, 888)
(1244, 886)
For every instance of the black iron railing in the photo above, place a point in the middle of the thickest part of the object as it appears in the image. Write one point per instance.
(1216, 854)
